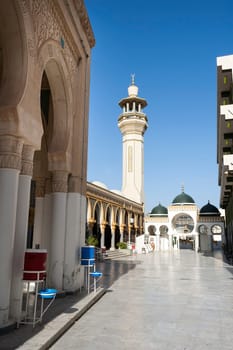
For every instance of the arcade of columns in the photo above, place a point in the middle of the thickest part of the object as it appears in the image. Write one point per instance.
(111, 217)
(45, 48)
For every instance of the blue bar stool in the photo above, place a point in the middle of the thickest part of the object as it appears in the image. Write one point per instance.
(46, 293)
(96, 276)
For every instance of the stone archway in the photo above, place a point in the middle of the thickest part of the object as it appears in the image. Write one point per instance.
(96, 226)
(117, 229)
(52, 167)
(108, 232)
(37, 40)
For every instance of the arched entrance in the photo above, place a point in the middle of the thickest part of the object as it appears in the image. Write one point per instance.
(183, 226)
(108, 232)
(164, 238)
(96, 227)
(117, 229)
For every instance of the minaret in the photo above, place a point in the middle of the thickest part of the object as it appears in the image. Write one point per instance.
(133, 123)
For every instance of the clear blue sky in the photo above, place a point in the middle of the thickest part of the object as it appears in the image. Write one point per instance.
(171, 46)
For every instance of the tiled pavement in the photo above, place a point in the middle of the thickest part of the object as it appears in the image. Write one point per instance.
(64, 311)
(181, 301)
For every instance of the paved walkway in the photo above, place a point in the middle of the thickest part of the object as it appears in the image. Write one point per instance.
(180, 301)
(63, 312)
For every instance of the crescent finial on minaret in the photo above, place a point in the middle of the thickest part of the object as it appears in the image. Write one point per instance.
(132, 78)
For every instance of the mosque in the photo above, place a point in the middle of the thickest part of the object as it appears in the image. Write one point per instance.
(183, 226)
(180, 226)
(46, 201)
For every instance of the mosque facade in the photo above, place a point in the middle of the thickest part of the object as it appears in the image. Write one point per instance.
(182, 225)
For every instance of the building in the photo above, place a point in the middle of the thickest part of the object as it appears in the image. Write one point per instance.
(225, 143)
(111, 217)
(45, 50)
(183, 226)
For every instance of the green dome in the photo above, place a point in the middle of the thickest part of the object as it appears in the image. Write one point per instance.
(209, 210)
(183, 198)
(159, 210)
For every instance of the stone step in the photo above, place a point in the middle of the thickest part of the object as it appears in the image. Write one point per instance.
(116, 254)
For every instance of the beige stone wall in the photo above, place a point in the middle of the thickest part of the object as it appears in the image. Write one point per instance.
(45, 48)
(55, 38)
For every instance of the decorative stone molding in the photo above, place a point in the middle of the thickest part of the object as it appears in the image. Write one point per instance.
(59, 181)
(48, 186)
(74, 184)
(27, 160)
(10, 152)
(85, 21)
(49, 23)
(40, 187)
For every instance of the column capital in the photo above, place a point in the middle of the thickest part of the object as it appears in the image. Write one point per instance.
(27, 160)
(102, 227)
(10, 152)
(60, 181)
(40, 186)
(113, 226)
(48, 185)
(74, 184)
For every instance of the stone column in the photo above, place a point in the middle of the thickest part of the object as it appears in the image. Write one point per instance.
(197, 242)
(90, 226)
(58, 228)
(122, 227)
(113, 229)
(46, 215)
(102, 230)
(73, 277)
(20, 241)
(39, 208)
(10, 165)
(170, 242)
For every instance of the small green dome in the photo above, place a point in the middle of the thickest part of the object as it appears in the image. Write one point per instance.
(183, 198)
(209, 210)
(160, 210)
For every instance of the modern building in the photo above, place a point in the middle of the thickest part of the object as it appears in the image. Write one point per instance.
(225, 143)
(183, 226)
(45, 50)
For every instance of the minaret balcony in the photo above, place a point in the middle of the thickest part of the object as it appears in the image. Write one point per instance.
(133, 115)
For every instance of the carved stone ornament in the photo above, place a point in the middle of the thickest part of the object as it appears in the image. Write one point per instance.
(40, 187)
(85, 22)
(48, 186)
(10, 152)
(59, 181)
(49, 24)
(74, 184)
(27, 160)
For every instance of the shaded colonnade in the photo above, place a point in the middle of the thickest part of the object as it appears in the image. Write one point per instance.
(111, 217)
(44, 92)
